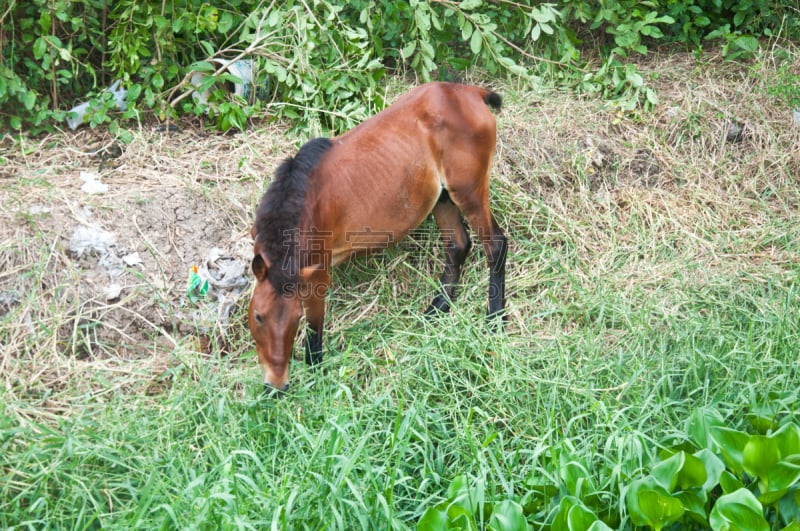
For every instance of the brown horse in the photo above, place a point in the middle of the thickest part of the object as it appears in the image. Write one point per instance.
(360, 192)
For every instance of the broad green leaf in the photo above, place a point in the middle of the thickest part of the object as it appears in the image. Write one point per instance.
(45, 22)
(407, 50)
(786, 473)
(475, 42)
(700, 423)
(469, 5)
(729, 482)
(461, 518)
(434, 519)
(694, 505)
(794, 526)
(748, 43)
(692, 474)
(29, 99)
(759, 456)
(599, 525)
(39, 48)
(739, 510)
(543, 14)
(788, 439)
(762, 418)
(650, 504)
(508, 516)
(714, 468)
(666, 472)
(782, 477)
(462, 494)
(561, 520)
(576, 478)
(789, 506)
(731, 444)
(580, 518)
(466, 30)
(201, 66)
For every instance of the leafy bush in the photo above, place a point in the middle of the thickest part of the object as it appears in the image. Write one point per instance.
(710, 477)
(323, 60)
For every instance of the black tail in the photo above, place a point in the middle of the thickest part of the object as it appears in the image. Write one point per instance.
(493, 100)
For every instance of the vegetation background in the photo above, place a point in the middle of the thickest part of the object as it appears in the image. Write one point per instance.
(646, 175)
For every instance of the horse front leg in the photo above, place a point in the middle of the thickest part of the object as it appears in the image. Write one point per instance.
(314, 305)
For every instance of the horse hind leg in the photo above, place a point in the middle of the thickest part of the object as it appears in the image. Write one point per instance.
(475, 207)
(456, 245)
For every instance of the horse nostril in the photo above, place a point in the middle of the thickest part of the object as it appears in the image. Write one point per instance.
(270, 390)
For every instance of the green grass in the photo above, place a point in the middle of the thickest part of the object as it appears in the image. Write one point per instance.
(626, 312)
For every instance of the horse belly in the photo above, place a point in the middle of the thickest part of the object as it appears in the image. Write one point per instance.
(385, 216)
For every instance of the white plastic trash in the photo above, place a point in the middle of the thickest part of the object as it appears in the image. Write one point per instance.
(243, 69)
(76, 114)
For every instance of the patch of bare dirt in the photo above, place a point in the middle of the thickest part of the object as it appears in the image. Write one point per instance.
(97, 250)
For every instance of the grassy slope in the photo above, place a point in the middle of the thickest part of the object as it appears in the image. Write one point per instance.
(632, 301)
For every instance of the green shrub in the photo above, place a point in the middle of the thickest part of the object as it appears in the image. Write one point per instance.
(709, 476)
(322, 61)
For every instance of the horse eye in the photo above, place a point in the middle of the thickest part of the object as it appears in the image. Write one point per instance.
(259, 319)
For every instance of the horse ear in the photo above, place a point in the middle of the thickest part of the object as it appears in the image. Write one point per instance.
(315, 274)
(259, 267)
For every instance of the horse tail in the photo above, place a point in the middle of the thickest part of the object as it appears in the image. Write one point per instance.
(493, 100)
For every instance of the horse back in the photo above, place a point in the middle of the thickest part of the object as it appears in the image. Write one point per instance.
(381, 179)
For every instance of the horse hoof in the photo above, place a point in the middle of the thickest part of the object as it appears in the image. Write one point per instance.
(276, 392)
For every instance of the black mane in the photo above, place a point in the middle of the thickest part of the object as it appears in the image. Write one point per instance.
(278, 214)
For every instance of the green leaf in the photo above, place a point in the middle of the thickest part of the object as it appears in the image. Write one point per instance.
(666, 472)
(469, 5)
(759, 456)
(45, 22)
(542, 15)
(788, 439)
(747, 43)
(699, 424)
(729, 482)
(408, 50)
(565, 509)
(576, 478)
(714, 468)
(475, 42)
(39, 48)
(508, 516)
(460, 493)
(580, 518)
(731, 444)
(694, 505)
(650, 504)
(782, 477)
(157, 81)
(29, 99)
(692, 474)
(739, 510)
(434, 519)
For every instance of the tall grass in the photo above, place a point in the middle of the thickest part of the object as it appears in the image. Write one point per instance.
(631, 303)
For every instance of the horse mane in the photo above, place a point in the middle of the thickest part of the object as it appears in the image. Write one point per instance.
(278, 213)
